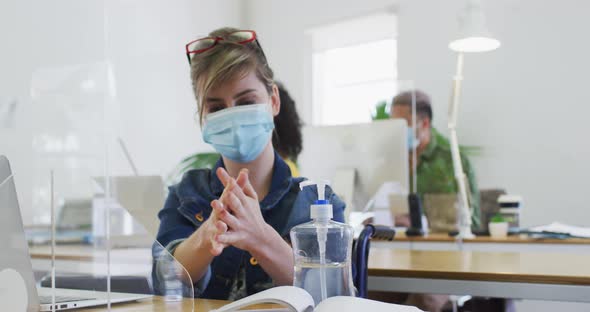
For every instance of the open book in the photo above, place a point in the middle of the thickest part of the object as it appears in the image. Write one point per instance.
(296, 299)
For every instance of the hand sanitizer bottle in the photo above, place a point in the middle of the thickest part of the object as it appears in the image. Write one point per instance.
(322, 249)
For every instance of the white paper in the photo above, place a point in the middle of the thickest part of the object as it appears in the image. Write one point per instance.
(298, 300)
(353, 304)
(558, 227)
(295, 299)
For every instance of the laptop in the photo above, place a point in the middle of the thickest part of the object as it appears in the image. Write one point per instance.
(15, 256)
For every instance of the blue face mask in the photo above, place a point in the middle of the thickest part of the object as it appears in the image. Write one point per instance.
(239, 133)
(413, 140)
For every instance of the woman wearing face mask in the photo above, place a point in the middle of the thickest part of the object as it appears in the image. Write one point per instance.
(228, 226)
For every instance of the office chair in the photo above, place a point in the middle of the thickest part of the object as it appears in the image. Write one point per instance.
(360, 254)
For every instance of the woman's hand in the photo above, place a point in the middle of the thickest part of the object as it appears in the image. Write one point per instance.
(217, 224)
(239, 209)
(212, 227)
(202, 243)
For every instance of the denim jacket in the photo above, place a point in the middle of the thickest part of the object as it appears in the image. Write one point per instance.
(188, 206)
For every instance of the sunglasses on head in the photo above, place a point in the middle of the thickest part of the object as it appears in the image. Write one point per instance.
(205, 44)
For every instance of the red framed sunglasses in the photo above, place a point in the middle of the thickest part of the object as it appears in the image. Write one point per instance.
(205, 44)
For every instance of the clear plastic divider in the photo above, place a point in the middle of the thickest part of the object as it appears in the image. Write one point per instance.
(85, 245)
(135, 204)
(68, 140)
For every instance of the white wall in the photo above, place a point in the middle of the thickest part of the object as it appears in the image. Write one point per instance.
(281, 26)
(145, 44)
(525, 103)
(153, 83)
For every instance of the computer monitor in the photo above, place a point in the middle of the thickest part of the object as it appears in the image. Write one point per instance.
(374, 152)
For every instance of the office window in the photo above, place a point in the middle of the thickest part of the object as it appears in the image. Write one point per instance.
(354, 66)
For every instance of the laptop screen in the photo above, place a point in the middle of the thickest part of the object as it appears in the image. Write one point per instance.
(15, 251)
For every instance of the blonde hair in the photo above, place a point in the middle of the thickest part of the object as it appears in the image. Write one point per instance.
(226, 61)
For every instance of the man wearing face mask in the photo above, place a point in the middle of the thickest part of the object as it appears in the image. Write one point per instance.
(433, 151)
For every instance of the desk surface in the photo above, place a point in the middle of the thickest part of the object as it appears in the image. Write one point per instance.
(512, 239)
(541, 268)
(532, 275)
(89, 253)
(158, 304)
(533, 267)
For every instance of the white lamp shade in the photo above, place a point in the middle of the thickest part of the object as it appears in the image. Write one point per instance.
(474, 44)
(473, 33)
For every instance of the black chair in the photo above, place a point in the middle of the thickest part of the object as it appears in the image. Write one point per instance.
(360, 254)
(123, 284)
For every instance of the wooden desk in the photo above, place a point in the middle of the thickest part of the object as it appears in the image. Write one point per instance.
(158, 304)
(511, 239)
(546, 276)
(517, 243)
(523, 274)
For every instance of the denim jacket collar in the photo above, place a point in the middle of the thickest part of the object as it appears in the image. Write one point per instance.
(193, 188)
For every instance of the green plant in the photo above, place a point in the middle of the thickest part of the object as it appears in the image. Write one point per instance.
(380, 111)
(498, 218)
(194, 161)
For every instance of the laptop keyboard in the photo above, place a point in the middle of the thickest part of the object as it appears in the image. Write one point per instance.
(60, 299)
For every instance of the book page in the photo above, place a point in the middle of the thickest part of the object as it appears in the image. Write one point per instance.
(354, 304)
(295, 299)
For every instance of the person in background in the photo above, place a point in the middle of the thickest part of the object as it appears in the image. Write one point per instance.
(287, 136)
(435, 176)
(228, 226)
(435, 165)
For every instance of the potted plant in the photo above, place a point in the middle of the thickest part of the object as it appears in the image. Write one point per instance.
(379, 111)
(498, 226)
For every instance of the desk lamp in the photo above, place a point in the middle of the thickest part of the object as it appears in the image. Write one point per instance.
(473, 37)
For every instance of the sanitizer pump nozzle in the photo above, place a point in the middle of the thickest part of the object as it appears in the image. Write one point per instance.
(321, 210)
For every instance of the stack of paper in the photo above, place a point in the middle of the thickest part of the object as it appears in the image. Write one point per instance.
(557, 227)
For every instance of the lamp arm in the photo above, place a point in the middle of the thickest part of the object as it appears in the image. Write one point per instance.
(456, 94)
(464, 213)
